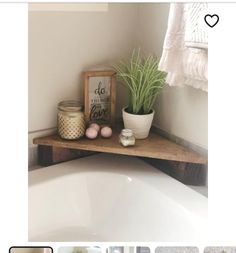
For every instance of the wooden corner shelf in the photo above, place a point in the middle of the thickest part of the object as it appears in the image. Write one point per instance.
(155, 146)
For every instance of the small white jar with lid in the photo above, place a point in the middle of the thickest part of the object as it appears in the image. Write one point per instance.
(127, 138)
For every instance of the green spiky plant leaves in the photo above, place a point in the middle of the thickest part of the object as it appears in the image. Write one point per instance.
(143, 80)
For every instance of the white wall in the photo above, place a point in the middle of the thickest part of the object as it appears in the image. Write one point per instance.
(180, 111)
(62, 44)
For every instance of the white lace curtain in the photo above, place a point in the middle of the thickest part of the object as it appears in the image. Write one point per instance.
(185, 50)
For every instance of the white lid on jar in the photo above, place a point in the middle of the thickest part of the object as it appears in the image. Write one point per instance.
(127, 132)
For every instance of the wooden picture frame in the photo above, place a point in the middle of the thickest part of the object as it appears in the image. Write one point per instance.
(100, 97)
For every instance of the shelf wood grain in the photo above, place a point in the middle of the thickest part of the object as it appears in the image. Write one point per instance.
(154, 146)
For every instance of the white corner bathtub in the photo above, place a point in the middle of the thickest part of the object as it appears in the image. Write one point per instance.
(108, 197)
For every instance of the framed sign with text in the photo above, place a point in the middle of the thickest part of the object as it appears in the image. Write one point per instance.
(100, 97)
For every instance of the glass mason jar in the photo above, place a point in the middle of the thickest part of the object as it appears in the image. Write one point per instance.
(127, 138)
(70, 120)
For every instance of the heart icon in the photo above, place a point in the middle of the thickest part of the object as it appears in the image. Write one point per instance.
(211, 20)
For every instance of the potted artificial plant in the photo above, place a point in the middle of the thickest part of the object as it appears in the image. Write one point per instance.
(144, 82)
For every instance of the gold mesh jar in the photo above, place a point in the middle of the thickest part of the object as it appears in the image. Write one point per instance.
(70, 120)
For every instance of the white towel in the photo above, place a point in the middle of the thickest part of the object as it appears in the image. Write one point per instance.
(195, 35)
(184, 65)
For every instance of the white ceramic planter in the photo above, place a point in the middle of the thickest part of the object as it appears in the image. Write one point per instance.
(140, 124)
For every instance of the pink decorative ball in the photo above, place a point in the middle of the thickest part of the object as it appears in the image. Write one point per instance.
(95, 125)
(106, 132)
(91, 133)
